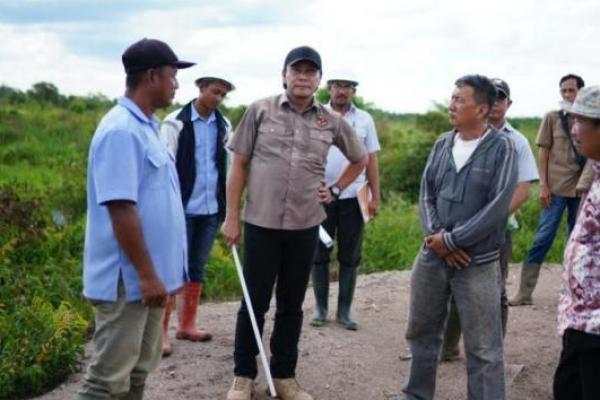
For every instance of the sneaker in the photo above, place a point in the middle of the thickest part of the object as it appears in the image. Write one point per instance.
(289, 389)
(241, 389)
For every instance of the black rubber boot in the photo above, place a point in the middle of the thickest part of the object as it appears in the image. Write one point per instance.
(320, 281)
(347, 283)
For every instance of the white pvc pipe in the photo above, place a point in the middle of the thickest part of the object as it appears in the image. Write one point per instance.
(250, 308)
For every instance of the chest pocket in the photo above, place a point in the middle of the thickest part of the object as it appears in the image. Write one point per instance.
(156, 169)
(320, 142)
(272, 138)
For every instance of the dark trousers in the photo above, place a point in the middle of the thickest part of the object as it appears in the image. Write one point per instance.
(273, 255)
(577, 376)
(548, 226)
(345, 221)
(201, 232)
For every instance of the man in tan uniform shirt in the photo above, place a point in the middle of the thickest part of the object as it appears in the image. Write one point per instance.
(564, 177)
(279, 155)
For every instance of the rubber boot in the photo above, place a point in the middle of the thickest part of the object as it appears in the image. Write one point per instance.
(504, 311)
(347, 283)
(320, 281)
(450, 349)
(187, 307)
(135, 393)
(166, 345)
(529, 277)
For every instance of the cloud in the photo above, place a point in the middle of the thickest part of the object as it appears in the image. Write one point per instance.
(405, 55)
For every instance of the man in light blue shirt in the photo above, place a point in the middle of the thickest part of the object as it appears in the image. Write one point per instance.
(344, 215)
(135, 250)
(196, 135)
(526, 174)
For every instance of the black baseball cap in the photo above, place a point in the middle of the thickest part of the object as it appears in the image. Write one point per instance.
(150, 53)
(501, 87)
(303, 53)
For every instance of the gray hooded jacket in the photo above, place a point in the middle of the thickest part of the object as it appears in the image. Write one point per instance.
(470, 206)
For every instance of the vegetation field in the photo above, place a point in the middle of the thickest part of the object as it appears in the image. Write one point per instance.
(44, 139)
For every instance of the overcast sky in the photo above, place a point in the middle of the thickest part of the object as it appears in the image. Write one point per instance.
(405, 54)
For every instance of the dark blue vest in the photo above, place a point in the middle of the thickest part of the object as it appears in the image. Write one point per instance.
(186, 157)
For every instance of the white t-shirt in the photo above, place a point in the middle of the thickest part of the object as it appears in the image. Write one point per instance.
(462, 150)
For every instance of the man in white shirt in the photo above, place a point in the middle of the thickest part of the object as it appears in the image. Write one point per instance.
(344, 216)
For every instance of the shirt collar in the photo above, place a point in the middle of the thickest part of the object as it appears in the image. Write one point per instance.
(196, 116)
(481, 138)
(351, 110)
(283, 99)
(507, 127)
(133, 108)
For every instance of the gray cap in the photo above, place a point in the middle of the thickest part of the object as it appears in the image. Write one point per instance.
(587, 103)
(501, 87)
(210, 79)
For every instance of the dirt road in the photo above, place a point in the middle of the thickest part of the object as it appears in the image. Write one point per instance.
(336, 364)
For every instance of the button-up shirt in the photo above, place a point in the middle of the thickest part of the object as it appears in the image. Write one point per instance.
(364, 126)
(203, 200)
(565, 176)
(287, 152)
(579, 305)
(128, 161)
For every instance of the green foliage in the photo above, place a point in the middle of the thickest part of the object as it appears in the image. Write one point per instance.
(403, 161)
(434, 121)
(45, 92)
(44, 140)
(392, 239)
(222, 282)
(43, 318)
(528, 217)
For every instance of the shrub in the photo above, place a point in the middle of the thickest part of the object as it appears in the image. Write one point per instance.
(222, 281)
(39, 346)
(401, 164)
(43, 318)
(393, 239)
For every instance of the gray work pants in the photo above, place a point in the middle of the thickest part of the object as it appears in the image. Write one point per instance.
(476, 290)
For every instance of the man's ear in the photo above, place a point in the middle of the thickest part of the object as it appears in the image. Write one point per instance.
(483, 110)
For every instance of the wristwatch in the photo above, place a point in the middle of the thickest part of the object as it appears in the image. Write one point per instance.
(335, 191)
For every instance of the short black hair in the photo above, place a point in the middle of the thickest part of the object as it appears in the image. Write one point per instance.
(578, 80)
(133, 79)
(485, 91)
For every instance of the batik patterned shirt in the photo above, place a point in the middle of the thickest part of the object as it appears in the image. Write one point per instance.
(579, 304)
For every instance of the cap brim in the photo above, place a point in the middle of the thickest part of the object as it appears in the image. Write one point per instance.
(500, 90)
(183, 64)
(353, 83)
(230, 85)
(583, 111)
